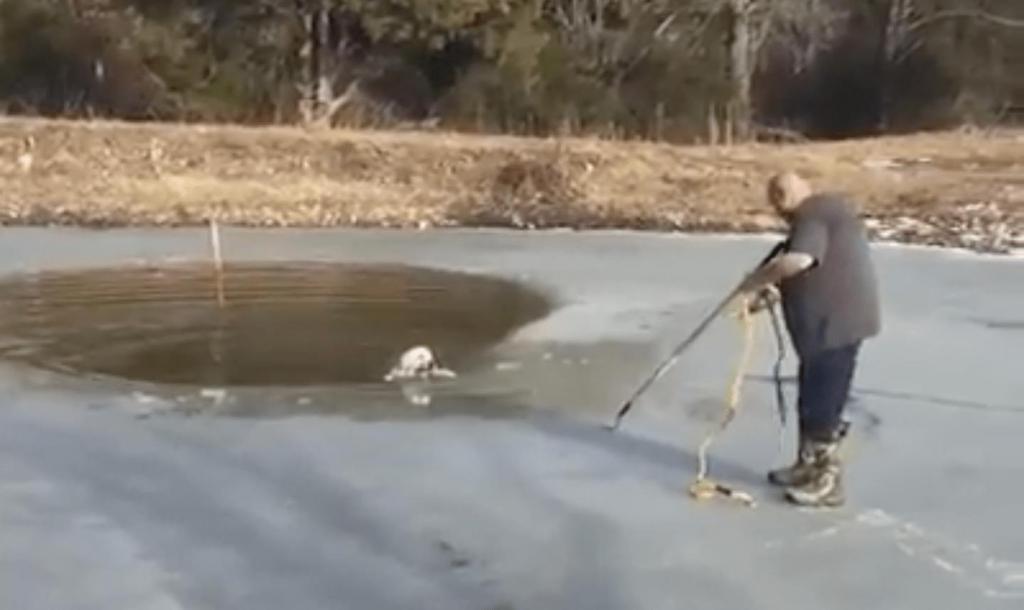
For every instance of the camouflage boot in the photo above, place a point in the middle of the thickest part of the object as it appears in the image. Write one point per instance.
(824, 487)
(797, 474)
(801, 472)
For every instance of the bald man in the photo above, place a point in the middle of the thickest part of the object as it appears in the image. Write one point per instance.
(826, 279)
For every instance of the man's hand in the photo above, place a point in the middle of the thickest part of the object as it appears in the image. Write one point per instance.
(754, 281)
(766, 298)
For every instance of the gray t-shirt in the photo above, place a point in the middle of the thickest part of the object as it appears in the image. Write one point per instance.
(835, 303)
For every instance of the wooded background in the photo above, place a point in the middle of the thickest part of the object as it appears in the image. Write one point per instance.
(676, 70)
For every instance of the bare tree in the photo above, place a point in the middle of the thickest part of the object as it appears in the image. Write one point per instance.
(315, 88)
(750, 25)
(742, 52)
(903, 26)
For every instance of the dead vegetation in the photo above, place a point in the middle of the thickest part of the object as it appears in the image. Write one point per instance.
(949, 188)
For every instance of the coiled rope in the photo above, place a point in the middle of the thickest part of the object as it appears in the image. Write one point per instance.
(703, 487)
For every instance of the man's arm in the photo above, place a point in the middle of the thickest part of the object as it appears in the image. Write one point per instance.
(804, 249)
(777, 250)
(777, 269)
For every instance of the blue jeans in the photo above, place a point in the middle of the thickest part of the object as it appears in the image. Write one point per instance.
(825, 379)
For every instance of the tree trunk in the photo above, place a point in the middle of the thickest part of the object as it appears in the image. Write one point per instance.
(325, 56)
(308, 61)
(740, 66)
(318, 59)
(895, 40)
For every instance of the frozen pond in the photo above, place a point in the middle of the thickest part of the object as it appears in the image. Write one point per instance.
(122, 488)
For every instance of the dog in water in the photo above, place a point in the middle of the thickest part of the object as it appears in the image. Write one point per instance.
(418, 363)
(415, 368)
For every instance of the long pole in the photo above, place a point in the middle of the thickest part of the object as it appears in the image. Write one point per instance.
(218, 262)
(667, 364)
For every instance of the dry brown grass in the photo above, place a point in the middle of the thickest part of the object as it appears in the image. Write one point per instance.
(938, 188)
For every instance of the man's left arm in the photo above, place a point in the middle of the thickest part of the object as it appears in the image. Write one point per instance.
(805, 250)
(781, 267)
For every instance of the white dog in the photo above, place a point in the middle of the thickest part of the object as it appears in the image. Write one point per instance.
(413, 373)
(418, 363)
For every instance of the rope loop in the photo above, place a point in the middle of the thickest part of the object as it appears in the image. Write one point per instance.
(704, 488)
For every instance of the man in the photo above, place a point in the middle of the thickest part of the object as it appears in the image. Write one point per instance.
(829, 293)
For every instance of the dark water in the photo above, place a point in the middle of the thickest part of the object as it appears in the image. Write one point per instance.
(282, 325)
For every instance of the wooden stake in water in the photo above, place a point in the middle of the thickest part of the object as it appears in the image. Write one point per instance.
(218, 262)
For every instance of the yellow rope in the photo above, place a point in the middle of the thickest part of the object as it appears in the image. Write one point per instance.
(704, 488)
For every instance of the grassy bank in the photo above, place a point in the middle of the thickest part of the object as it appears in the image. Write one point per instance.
(949, 188)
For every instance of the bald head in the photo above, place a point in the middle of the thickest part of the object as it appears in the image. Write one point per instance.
(786, 191)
